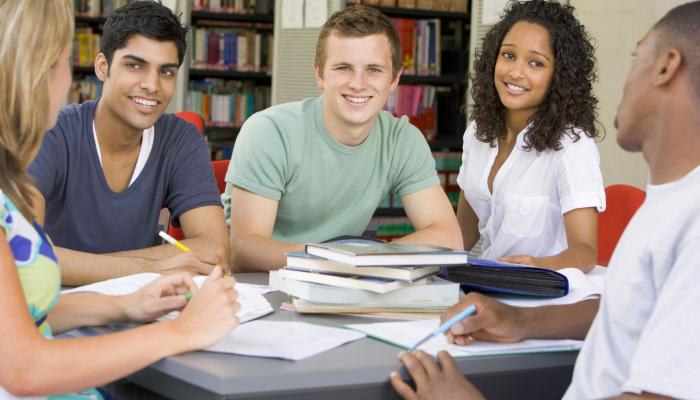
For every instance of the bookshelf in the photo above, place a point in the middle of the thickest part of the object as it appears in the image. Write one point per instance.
(447, 83)
(230, 63)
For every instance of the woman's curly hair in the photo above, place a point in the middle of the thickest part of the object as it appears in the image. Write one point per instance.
(570, 101)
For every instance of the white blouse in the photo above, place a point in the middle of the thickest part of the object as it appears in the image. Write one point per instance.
(531, 193)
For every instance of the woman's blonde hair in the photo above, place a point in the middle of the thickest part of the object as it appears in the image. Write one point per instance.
(33, 34)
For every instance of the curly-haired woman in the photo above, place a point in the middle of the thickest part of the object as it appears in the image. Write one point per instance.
(530, 177)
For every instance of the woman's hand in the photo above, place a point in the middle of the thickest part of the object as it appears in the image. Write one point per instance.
(211, 314)
(524, 260)
(163, 295)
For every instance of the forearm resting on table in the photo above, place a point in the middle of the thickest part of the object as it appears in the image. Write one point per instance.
(255, 253)
(570, 321)
(90, 361)
(78, 310)
(80, 268)
(577, 255)
(436, 235)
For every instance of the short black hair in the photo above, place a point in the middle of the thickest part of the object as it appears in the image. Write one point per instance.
(679, 29)
(148, 18)
(570, 102)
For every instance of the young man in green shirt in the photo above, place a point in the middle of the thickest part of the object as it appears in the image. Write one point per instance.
(312, 170)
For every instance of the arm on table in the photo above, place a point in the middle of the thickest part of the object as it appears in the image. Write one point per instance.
(431, 214)
(498, 322)
(468, 222)
(252, 221)
(208, 248)
(581, 227)
(31, 362)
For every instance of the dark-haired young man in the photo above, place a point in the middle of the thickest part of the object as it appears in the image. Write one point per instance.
(108, 166)
(312, 170)
(643, 342)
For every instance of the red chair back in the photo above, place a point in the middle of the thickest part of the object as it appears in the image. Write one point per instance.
(220, 167)
(194, 118)
(622, 201)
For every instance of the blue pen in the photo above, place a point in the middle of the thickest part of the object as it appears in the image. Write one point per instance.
(447, 325)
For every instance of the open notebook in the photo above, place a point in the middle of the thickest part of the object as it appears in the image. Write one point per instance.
(406, 334)
(253, 304)
(289, 340)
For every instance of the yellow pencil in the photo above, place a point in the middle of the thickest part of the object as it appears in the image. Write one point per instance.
(173, 241)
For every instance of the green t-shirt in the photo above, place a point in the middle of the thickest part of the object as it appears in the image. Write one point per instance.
(325, 189)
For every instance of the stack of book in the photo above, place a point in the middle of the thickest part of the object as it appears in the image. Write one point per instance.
(369, 278)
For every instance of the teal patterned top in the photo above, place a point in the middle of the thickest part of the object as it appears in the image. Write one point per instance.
(38, 272)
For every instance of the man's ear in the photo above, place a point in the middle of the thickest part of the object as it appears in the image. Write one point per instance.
(101, 67)
(319, 76)
(395, 82)
(667, 66)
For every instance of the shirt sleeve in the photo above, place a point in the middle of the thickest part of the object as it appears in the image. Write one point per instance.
(48, 170)
(667, 357)
(192, 183)
(259, 161)
(414, 165)
(579, 180)
(466, 145)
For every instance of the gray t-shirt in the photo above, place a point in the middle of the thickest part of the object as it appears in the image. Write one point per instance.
(325, 189)
(645, 335)
(83, 213)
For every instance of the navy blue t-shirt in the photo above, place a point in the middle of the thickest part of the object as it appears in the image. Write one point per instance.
(83, 213)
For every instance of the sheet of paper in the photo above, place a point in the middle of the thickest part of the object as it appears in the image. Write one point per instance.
(406, 334)
(581, 287)
(281, 339)
(292, 14)
(315, 13)
(253, 304)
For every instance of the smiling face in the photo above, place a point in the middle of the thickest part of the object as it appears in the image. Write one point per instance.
(524, 68)
(356, 81)
(139, 83)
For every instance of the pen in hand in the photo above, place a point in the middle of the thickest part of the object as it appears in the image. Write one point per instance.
(445, 326)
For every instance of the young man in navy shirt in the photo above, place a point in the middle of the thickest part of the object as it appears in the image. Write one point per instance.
(109, 166)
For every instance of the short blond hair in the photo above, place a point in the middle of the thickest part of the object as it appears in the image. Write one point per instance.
(33, 34)
(359, 21)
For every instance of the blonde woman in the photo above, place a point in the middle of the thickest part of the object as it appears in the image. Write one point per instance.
(35, 74)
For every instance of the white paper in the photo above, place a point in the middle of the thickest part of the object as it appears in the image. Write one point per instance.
(253, 304)
(492, 11)
(281, 339)
(292, 14)
(407, 334)
(315, 13)
(581, 287)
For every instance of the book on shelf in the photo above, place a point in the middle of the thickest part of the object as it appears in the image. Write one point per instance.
(86, 45)
(88, 88)
(435, 5)
(419, 104)
(369, 283)
(488, 276)
(97, 8)
(387, 254)
(226, 103)
(234, 6)
(298, 260)
(217, 48)
(434, 292)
